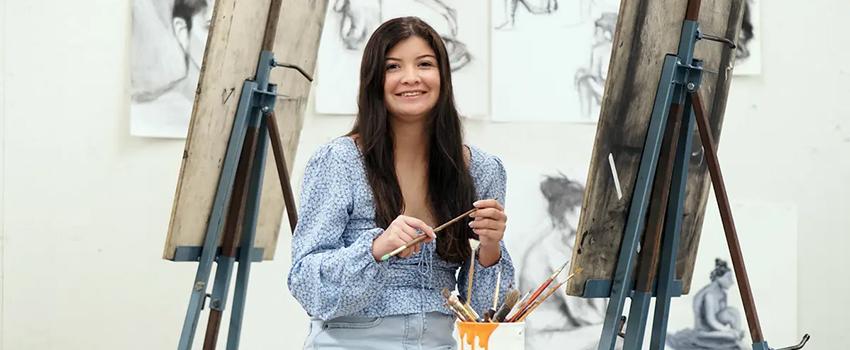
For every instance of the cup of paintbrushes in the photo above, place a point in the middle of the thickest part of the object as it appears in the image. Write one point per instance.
(491, 335)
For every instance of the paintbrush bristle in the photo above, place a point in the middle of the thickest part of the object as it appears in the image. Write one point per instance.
(446, 294)
(510, 300)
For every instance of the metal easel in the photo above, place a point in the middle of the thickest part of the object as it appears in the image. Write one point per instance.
(664, 164)
(239, 189)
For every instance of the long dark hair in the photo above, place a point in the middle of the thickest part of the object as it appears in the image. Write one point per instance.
(450, 187)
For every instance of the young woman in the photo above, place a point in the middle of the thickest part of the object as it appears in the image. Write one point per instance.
(402, 170)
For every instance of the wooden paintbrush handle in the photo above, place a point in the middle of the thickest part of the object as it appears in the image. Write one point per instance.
(398, 250)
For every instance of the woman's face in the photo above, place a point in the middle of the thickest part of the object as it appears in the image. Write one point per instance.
(194, 41)
(412, 80)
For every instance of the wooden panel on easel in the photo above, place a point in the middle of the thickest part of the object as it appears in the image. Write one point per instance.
(233, 48)
(646, 31)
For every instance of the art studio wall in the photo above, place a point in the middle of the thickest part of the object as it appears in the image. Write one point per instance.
(84, 205)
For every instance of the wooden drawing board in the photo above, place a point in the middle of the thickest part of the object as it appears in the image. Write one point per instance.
(233, 48)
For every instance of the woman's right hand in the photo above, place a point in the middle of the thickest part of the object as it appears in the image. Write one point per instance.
(402, 230)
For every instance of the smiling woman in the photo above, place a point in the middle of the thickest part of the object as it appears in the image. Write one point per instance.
(402, 170)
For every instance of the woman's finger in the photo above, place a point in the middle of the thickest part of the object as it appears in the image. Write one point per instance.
(488, 203)
(487, 224)
(492, 213)
(419, 225)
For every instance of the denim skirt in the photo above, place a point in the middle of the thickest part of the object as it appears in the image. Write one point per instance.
(423, 331)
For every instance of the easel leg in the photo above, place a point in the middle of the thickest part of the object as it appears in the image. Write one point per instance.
(672, 231)
(227, 257)
(282, 172)
(249, 229)
(728, 224)
(222, 197)
(650, 249)
(622, 283)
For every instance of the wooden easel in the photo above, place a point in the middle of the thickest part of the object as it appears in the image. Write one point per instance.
(663, 171)
(239, 190)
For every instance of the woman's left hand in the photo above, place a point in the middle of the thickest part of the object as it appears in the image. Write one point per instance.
(489, 222)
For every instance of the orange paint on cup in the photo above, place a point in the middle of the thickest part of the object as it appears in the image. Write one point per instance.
(469, 331)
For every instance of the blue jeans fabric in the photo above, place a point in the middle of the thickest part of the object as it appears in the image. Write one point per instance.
(422, 331)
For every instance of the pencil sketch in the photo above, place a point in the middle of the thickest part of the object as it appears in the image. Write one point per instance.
(585, 31)
(745, 35)
(535, 7)
(590, 80)
(748, 43)
(562, 321)
(168, 49)
(359, 18)
(717, 326)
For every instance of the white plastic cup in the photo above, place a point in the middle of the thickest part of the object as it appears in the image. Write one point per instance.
(491, 336)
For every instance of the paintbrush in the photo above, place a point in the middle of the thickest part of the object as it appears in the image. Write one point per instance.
(518, 307)
(488, 315)
(510, 300)
(422, 237)
(540, 290)
(469, 277)
(456, 306)
(467, 310)
(543, 298)
(496, 292)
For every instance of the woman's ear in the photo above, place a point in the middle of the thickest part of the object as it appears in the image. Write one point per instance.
(181, 33)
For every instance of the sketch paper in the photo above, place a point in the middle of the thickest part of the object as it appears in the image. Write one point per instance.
(550, 58)
(748, 52)
(168, 43)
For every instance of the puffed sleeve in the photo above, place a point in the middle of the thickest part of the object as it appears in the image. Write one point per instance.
(493, 183)
(331, 279)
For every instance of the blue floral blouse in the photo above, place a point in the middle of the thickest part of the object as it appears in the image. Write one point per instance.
(333, 271)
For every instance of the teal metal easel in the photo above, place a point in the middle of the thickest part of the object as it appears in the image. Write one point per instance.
(664, 164)
(239, 189)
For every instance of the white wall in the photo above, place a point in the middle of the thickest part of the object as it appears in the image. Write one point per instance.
(2, 152)
(86, 206)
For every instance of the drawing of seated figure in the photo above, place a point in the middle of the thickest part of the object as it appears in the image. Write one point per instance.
(359, 18)
(562, 322)
(536, 7)
(717, 326)
(590, 81)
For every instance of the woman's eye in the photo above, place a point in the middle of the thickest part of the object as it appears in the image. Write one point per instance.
(392, 66)
(426, 64)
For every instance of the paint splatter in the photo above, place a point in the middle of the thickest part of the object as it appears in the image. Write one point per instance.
(469, 331)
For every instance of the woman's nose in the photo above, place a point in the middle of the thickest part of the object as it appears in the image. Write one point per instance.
(410, 76)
